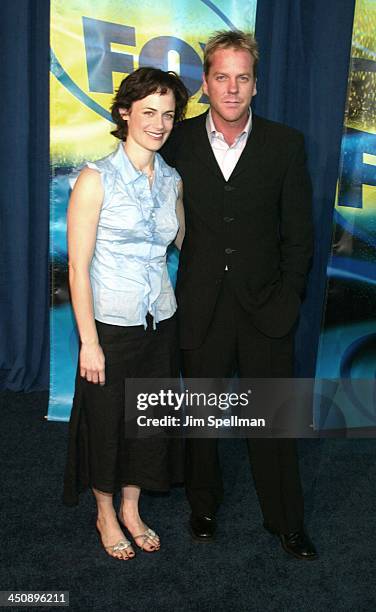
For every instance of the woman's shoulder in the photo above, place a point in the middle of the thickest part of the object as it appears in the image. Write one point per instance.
(165, 169)
(104, 163)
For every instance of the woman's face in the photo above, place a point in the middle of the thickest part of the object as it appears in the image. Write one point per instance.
(150, 120)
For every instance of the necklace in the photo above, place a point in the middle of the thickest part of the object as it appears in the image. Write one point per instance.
(150, 176)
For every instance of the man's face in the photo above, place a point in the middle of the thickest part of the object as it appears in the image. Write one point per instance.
(230, 85)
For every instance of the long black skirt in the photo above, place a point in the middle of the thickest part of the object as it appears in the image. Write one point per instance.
(99, 454)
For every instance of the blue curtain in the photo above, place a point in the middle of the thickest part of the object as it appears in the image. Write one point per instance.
(24, 206)
(305, 52)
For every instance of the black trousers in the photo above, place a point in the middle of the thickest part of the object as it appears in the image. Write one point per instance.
(234, 344)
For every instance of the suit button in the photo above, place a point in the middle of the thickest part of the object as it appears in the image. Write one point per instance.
(228, 251)
(228, 219)
(229, 188)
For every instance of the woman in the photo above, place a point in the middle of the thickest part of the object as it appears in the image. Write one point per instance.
(124, 211)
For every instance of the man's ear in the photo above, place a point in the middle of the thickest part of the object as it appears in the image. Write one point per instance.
(204, 84)
(254, 88)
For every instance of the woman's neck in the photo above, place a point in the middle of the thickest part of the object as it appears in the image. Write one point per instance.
(141, 158)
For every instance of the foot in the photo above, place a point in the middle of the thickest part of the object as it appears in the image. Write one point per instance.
(296, 543)
(113, 540)
(144, 537)
(202, 527)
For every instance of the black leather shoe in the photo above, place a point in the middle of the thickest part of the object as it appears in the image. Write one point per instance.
(202, 528)
(296, 544)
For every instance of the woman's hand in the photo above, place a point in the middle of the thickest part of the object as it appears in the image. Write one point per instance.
(92, 363)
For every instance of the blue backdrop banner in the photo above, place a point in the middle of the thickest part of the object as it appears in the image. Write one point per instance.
(94, 44)
(348, 339)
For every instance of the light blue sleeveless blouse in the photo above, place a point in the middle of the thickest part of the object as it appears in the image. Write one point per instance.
(128, 272)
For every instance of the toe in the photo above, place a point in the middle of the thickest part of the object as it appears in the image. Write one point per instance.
(116, 554)
(151, 545)
(129, 553)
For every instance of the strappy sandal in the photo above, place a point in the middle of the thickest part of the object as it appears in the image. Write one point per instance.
(148, 535)
(121, 545)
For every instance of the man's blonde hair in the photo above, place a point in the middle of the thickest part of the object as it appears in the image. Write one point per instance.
(231, 39)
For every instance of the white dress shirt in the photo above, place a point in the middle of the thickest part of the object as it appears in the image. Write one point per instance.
(227, 156)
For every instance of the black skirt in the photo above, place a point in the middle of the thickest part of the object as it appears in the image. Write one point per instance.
(99, 455)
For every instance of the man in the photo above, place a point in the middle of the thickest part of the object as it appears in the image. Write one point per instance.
(242, 271)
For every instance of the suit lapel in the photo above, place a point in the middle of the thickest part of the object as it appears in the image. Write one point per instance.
(202, 147)
(252, 151)
(250, 154)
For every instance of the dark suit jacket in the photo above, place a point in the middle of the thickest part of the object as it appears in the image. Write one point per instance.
(258, 223)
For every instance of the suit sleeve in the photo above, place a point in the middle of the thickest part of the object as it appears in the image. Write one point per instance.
(296, 230)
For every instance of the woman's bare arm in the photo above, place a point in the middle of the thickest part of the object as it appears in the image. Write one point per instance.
(83, 214)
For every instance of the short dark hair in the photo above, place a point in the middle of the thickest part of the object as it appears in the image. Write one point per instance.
(140, 84)
(231, 39)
